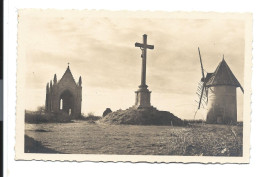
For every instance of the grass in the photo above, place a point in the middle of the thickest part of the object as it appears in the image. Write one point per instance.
(89, 117)
(83, 137)
(208, 140)
(32, 146)
(37, 117)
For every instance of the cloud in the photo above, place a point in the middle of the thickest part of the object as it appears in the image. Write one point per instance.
(101, 50)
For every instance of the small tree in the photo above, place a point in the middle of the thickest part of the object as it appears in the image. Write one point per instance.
(90, 114)
(41, 109)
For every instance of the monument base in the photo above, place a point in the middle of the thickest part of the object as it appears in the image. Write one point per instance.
(142, 99)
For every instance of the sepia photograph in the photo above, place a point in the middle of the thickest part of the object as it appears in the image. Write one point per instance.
(133, 86)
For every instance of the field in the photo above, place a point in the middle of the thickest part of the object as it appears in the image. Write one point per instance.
(83, 137)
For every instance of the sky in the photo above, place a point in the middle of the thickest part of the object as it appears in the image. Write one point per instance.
(100, 48)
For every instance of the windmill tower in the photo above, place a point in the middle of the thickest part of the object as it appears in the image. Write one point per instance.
(218, 91)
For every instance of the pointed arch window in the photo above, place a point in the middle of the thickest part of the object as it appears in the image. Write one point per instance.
(61, 104)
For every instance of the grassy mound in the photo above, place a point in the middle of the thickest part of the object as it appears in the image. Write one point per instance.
(143, 116)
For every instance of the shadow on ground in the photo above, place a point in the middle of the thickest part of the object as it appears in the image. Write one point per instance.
(32, 146)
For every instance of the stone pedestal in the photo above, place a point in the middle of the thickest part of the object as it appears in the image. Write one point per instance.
(142, 99)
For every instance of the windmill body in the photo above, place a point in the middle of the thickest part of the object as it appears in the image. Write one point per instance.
(219, 89)
(222, 98)
(222, 105)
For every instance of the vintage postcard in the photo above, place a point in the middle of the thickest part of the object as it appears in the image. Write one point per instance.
(135, 86)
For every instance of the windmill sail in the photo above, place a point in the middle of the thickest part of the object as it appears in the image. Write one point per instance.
(202, 70)
(202, 85)
(202, 98)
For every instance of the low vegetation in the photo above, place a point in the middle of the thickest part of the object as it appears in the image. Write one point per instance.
(207, 140)
(40, 116)
(90, 117)
(83, 137)
(36, 117)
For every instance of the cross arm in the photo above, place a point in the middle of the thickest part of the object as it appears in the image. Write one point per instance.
(150, 46)
(139, 45)
(144, 46)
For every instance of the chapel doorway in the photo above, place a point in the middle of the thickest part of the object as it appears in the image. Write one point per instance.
(67, 102)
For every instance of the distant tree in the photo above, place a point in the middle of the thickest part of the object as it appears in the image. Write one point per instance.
(41, 109)
(90, 114)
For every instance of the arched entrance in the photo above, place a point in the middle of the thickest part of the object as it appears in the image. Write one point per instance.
(67, 102)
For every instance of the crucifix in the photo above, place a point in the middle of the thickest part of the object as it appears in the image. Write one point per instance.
(142, 99)
(143, 46)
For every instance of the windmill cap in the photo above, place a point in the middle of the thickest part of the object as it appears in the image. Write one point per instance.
(223, 76)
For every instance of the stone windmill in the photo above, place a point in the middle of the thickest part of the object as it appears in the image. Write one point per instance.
(218, 91)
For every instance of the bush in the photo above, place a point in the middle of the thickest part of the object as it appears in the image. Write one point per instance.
(43, 117)
(199, 121)
(90, 116)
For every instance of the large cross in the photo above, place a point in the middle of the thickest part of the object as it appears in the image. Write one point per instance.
(143, 47)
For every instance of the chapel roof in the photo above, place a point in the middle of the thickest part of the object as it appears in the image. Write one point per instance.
(67, 75)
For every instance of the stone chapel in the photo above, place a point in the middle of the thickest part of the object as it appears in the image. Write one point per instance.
(65, 95)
